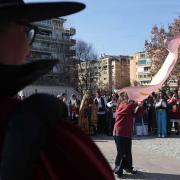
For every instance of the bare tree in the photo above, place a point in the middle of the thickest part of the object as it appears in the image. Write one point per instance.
(156, 47)
(87, 65)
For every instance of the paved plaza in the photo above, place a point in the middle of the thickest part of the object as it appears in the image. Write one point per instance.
(154, 158)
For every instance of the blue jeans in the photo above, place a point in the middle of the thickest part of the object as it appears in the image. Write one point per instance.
(161, 122)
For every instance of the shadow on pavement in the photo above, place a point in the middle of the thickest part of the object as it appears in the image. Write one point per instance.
(154, 137)
(107, 138)
(100, 140)
(148, 175)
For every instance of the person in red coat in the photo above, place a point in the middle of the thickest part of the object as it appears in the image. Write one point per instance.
(36, 140)
(123, 129)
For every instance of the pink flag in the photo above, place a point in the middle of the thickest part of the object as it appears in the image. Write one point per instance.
(140, 93)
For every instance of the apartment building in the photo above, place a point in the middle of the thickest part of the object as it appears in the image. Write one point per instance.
(140, 66)
(108, 73)
(114, 72)
(54, 41)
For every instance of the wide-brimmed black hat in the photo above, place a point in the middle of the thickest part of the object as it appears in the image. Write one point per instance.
(14, 10)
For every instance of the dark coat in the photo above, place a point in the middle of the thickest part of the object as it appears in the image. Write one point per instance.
(66, 152)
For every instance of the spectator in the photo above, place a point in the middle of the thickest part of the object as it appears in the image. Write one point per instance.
(161, 106)
(88, 114)
(111, 108)
(101, 113)
(74, 105)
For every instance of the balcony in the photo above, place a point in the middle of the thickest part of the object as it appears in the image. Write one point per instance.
(71, 42)
(69, 32)
(144, 79)
(44, 25)
(35, 56)
(144, 62)
(144, 82)
(52, 39)
(43, 49)
(70, 53)
(43, 37)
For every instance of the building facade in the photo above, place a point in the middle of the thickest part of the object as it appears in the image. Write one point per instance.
(53, 41)
(140, 66)
(108, 73)
(114, 72)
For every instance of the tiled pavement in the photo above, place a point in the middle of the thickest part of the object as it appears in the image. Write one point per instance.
(154, 158)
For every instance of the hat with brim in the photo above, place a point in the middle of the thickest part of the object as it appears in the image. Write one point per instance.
(16, 10)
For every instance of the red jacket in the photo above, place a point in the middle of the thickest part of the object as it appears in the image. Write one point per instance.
(70, 154)
(174, 113)
(124, 120)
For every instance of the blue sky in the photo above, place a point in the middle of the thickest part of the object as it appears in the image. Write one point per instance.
(120, 27)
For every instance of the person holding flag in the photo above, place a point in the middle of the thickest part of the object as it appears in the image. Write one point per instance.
(123, 131)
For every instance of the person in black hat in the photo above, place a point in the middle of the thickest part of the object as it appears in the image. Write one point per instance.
(36, 140)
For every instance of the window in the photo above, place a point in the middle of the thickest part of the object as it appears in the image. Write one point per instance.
(122, 73)
(146, 68)
(83, 64)
(105, 67)
(142, 55)
(104, 62)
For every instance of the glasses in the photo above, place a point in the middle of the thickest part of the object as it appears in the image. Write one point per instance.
(30, 31)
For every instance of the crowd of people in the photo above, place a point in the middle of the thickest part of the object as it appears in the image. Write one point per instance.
(159, 113)
(95, 115)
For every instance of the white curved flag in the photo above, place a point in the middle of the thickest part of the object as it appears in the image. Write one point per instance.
(142, 92)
